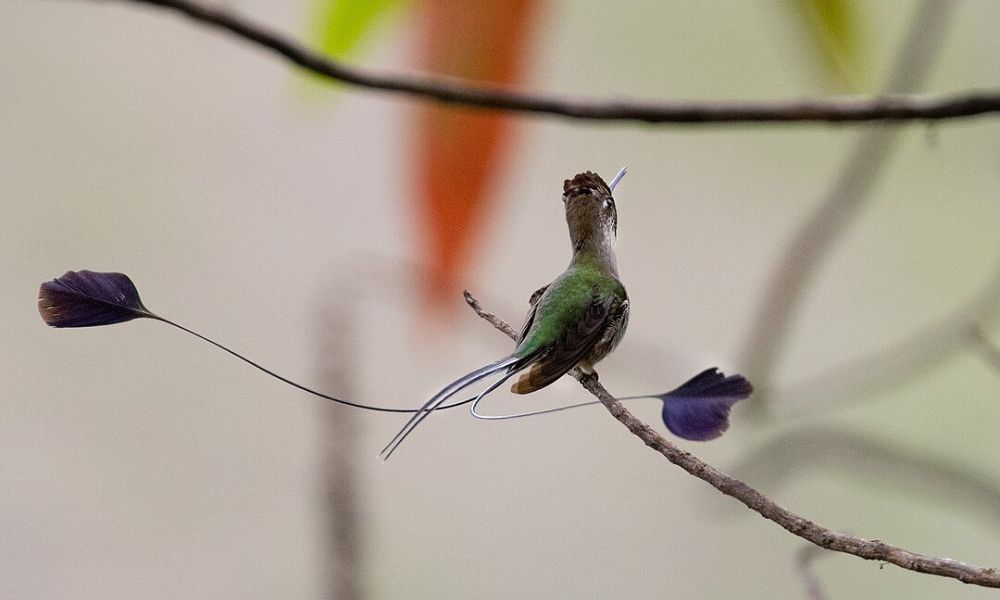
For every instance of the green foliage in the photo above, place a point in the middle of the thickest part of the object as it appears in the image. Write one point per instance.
(339, 27)
(836, 28)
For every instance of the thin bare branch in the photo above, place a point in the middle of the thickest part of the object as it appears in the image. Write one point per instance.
(490, 317)
(894, 108)
(764, 506)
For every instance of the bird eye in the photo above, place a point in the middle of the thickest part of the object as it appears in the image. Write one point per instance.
(609, 202)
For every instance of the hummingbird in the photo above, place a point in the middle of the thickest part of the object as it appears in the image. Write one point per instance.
(574, 321)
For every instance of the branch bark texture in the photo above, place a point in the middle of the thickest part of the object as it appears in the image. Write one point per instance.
(454, 91)
(761, 504)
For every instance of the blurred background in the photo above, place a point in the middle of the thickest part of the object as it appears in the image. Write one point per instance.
(853, 272)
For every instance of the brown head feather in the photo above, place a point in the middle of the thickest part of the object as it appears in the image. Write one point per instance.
(585, 182)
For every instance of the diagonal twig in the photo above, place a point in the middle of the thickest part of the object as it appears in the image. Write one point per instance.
(980, 341)
(758, 502)
(895, 108)
(856, 380)
(804, 559)
(911, 471)
(841, 205)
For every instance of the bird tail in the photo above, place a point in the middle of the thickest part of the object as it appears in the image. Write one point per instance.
(513, 364)
(538, 376)
(699, 409)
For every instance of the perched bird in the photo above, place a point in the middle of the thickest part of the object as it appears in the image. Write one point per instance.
(575, 321)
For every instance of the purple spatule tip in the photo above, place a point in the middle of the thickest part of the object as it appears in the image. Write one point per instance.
(90, 299)
(699, 409)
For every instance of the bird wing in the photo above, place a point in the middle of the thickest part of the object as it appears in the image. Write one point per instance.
(538, 294)
(571, 347)
(530, 318)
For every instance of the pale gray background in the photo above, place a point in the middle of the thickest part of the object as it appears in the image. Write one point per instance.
(138, 462)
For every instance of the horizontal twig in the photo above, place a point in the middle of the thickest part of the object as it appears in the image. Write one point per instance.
(455, 91)
(758, 502)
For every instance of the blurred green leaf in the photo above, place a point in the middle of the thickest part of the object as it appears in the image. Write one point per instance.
(340, 26)
(835, 26)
